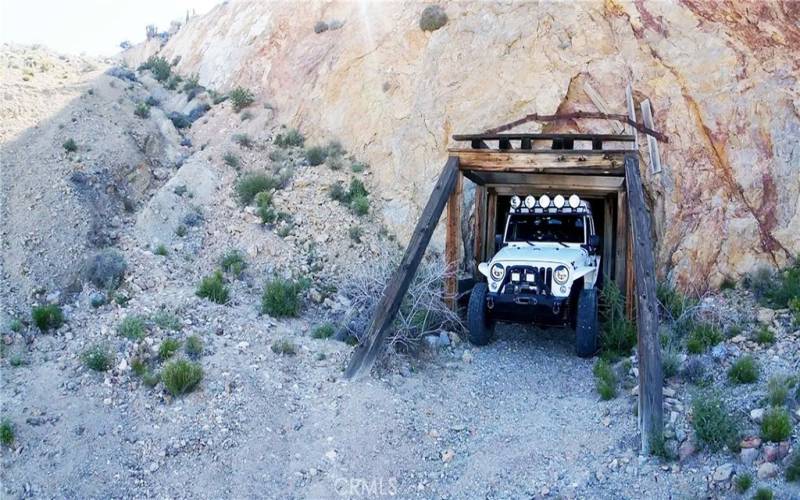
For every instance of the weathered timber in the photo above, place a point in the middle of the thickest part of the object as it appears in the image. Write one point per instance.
(621, 243)
(652, 144)
(452, 248)
(601, 104)
(581, 161)
(365, 356)
(649, 348)
(546, 137)
(480, 229)
(631, 113)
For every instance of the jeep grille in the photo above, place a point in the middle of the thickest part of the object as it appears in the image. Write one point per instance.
(542, 279)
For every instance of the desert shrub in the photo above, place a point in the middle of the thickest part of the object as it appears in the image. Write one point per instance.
(106, 269)
(161, 250)
(334, 149)
(764, 335)
(231, 160)
(674, 304)
(424, 308)
(96, 358)
(360, 205)
(794, 308)
(194, 345)
(6, 432)
(181, 376)
(246, 115)
(240, 98)
(727, 284)
(284, 347)
(243, 140)
(713, 423)
(142, 110)
(250, 185)
(179, 120)
(763, 493)
(777, 390)
(70, 146)
(191, 83)
(181, 230)
(618, 332)
(159, 66)
(290, 138)
(334, 163)
(355, 233)
(233, 262)
(358, 166)
(47, 317)
(776, 426)
(315, 155)
(337, 192)
(743, 482)
(213, 288)
(744, 370)
(281, 298)
(168, 348)
(432, 18)
(132, 327)
(193, 218)
(15, 325)
(320, 27)
(605, 379)
(785, 286)
(670, 362)
(323, 331)
(793, 467)
(702, 337)
(152, 101)
(174, 81)
(167, 320)
(357, 189)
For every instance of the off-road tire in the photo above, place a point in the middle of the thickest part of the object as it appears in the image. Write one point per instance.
(479, 325)
(586, 329)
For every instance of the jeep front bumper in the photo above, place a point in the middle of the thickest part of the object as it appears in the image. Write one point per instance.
(527, 307)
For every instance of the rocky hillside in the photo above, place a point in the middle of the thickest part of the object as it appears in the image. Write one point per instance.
(722, 80)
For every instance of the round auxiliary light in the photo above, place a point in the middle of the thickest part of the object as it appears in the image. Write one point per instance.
(574, 201)
(530, 201)
(559, 201)
(561, 274)
(515, 201)
(544, 201)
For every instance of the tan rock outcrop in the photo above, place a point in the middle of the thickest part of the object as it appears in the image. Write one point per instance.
(722, 78)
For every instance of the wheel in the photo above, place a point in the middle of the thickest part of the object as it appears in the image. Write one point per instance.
(479, 325)
(586, 328)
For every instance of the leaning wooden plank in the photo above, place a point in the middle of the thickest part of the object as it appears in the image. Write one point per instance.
(650, 375)
(365, 356)
(652, 144)
(631, 114)
(601, 105)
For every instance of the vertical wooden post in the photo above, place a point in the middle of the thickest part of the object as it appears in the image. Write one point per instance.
(651, 418)
(491, 222)
(621, 248)
(452, 245)
(608, 236)
(652, 143)
(479, 229)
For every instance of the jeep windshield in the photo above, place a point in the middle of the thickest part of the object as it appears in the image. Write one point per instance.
(555, 228)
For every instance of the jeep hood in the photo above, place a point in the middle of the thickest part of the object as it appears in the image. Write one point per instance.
(542, 254)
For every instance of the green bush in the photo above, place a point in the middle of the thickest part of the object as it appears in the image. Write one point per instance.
(334, 149)
(670, 362)
(106, 269)
(161, 250)
(776, 426)
(323, 331)
(181, 230)
(713, 423)
(432, 18)
(360, 205)
(764, 336)
(777, 390)
(702, 337)
(763, 494)
(605, 379)
(674, 303)
(191, 83)
(97, 358)
(233, 262)
(158, 66)
(794, 308)
(355, 233)
(785, 287)
(338, 193)
(241, 98)
(358, 167)
(132, 327)
(315, 155)
(194, 345)
(167, 320)
(47, 317)
(168, 348)
(181, 376)
(290, 138)
(15, 325)
(243, 140)
(231, 160)
(284, 347)
(619, 333)
(793, 469)
(743, 482)
(6, 432)
(70, 146)
(142, 110)
(213, 288)
(744, 370)
(250, 185)
(281, 298)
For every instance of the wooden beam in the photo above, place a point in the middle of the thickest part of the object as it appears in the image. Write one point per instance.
(540, 160)
(452, 247)
(608, 237)
(631, 114)
(579, 184)
(621, 243)
(383, 317)
(601, 104)
(651, 418)
(491, 222)
(547, 136)
(652, 144)
(479, 230)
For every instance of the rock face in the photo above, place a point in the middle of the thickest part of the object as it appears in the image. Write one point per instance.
(722, 79)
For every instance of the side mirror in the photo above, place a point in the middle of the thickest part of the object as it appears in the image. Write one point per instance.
(595, 241)
(498, 242)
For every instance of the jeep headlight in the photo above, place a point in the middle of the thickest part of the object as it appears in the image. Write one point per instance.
(561, 274)
(497, 272)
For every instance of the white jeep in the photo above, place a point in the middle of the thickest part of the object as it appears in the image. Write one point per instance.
(545, 271)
